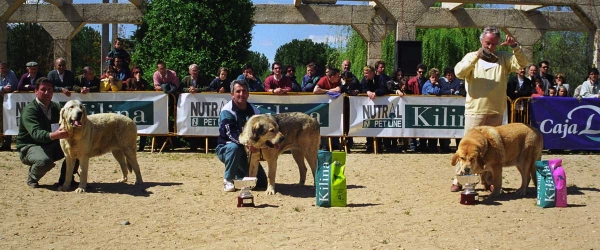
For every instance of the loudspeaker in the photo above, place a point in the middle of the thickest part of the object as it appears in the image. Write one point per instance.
(408, 55)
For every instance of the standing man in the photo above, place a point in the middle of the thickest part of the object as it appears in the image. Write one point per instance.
(27, 81)
(39, 133)
(373, 86)
(165, 79)
(232, 119)
(311, 78)
(254, 83)
(547, 79)
(87, 82)
(591, 87)
(485, 72)
(8, 84)
(62, 79)
(416, 83)
(191, 83)
(519, 86)
(277, 83)
(380, 71)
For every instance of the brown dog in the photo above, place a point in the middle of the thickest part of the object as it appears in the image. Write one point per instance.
(275, 134)
(486, 148)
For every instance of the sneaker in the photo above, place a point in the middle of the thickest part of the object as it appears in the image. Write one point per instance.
(32, 184)
(228, 186)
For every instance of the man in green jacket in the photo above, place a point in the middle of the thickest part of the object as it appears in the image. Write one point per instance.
(39, 135)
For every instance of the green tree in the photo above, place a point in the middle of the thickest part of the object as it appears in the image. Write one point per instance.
(446, 47)
(567, 53)
(355, 51)
(259, 63)
(301, 52)
(28, 42)
(211, 34)
(86, 51)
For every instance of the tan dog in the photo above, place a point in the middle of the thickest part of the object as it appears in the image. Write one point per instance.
(96, 135)
(275, 134)
(486, 148)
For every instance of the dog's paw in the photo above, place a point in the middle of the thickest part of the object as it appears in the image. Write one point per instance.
(80, 190)
(138, 182)
(270, 190)
(63, 188)
(122, 180)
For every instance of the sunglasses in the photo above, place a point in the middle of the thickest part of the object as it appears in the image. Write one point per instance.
(420, 72)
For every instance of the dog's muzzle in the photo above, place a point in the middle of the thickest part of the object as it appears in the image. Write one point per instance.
(77, 121)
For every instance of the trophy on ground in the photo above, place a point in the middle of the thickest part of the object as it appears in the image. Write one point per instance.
(245, 199)
(469, 196)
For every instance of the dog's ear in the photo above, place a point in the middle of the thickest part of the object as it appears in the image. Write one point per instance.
(84, 115)
(61, 118)
(257, 131)
(454, 159)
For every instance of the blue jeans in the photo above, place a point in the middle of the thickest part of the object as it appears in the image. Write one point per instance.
(236, 163)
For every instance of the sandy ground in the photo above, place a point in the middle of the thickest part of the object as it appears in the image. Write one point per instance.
(396, 201)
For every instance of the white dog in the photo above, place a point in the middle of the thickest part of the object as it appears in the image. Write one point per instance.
(96, 135)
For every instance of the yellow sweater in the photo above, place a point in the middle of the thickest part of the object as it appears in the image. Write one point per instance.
(106, 86)
(486, 88)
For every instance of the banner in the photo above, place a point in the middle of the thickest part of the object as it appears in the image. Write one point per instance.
(567, 123)
(408, 116)
(149, 110)
(198, 114)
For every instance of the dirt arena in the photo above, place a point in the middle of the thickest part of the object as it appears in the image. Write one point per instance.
(396, 201)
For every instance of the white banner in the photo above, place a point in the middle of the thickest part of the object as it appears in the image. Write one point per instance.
(149, 110)
(198, 114)
(408, 116)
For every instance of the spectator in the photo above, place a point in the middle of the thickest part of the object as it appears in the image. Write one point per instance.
(118, 52)
(39, 134)
(220, 84)
(450, 86)
(109, 82)
(396, 85)
(346, 68)
(380, 71)
(8, 84)
(232, 119)
(577, 91)
(121, 72)
(87, 82)
(8, 79)
(350, 85)
(27, 81)
(432, 87)
(552, 91)
(254, 83)
(62, 79)
(538, 87)
(531, 71)
(560, 80)
(311, 78)
(373, 86)
(277, 83)
(165, 79)
(416, 83)
(485, 74)
(589, 88)
(330, 84)
(136, 82)
(191, 83)
(291, 74)
(547, 79)
(562, 91)
(519, 85)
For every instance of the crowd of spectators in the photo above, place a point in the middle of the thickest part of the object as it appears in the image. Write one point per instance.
(533, 80)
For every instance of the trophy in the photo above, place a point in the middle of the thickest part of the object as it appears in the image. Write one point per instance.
(245, 199)
(469, 181)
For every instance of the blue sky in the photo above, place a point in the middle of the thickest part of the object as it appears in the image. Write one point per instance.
(266, 38)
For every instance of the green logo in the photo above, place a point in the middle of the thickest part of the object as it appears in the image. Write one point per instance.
(435, 116)
(382, 116)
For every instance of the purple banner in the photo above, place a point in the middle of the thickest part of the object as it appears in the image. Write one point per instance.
(567, 123)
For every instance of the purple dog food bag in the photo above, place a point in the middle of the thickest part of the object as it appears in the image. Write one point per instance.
(560, 181)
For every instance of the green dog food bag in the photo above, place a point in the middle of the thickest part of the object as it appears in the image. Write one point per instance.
(330, 181)
(546, 190)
